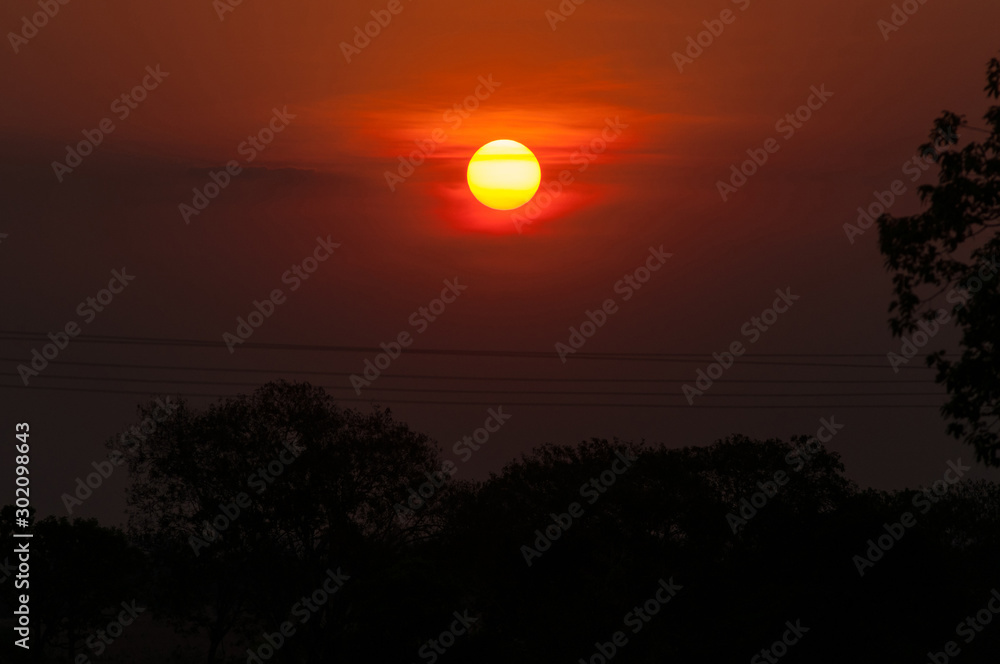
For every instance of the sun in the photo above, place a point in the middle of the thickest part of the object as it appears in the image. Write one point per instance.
(504, 175)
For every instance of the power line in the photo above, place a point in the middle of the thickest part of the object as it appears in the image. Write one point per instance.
(469, 377)
(679, 358)
(310, 372)
(968, 126)
(493, 403)
(470, 391)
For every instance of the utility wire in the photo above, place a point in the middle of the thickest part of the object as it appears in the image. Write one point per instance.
(677, 358)
(494, 403)
(311, 372)
(468, 391)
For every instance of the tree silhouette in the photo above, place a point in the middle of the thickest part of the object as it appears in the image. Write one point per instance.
(81, 572)
(752, 533)
(952, 250)
(252, 500)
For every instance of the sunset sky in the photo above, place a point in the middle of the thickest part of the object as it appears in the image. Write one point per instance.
(455, 76)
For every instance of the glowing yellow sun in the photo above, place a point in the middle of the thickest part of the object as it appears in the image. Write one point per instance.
(504, 175)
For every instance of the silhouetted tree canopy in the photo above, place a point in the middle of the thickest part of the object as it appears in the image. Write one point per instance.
(80, 574)
(253, 499)
(545, 560)
(951, 251)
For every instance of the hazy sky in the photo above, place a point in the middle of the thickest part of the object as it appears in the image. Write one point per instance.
(609, 69)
